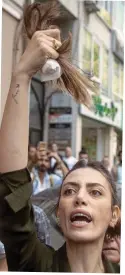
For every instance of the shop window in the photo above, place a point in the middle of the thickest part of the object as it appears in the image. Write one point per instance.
(117, 85)
(60, 100)
(36, 105)
(34, 136)
(35, 120)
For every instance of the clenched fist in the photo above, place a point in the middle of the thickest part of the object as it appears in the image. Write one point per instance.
(43, 45)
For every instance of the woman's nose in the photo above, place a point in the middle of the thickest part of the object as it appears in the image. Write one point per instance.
(81, 199)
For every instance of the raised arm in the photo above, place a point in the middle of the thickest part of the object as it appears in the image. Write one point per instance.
(15, 124)
(17, 231)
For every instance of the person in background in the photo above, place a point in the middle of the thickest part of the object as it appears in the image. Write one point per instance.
(60, 168)
(42, 225)
(69, 159)
(54, 149)
(84, 155)
(31, 156)
(41, 149)
(111, 249)
(117, 170)
(43, 178)
(117, 174)
(106, 163)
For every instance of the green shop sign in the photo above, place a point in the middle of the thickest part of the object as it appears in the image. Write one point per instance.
(103, 110)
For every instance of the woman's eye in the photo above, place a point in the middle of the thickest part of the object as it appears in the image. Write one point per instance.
(69, 192)
(96, 193)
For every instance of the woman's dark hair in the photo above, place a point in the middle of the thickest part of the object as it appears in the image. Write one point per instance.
(98, 166)
(43, 16)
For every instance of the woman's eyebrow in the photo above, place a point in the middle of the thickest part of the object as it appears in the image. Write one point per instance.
(88, 184)
(71, 183)
(94, 184)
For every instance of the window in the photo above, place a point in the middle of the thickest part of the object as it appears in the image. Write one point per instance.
(106, 11)
(118, 14)
(87, 53)
(96, 60)
(117, 85)
(121, 80)
(105, 70)
(91, 55)
(108, 6)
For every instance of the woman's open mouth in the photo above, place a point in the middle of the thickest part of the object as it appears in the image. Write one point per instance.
(110, 249)
(80, 218)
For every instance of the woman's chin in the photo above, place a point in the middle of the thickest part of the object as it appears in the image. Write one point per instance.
(80, 237)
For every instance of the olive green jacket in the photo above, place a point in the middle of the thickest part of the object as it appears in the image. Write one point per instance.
(24, 251)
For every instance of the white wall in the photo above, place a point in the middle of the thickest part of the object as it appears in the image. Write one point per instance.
(100, 144)
(13, 7)
(71, 5)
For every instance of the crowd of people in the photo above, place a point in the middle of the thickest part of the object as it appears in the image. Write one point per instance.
(48, 168)
(61, 214)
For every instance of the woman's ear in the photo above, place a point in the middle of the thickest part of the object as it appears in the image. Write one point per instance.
(115, 216)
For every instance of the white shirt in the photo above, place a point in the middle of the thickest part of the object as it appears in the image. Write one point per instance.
(53, 162)
(48, 181)
(71, 161)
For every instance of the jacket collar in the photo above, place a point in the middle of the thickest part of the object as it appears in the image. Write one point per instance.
(64, 264)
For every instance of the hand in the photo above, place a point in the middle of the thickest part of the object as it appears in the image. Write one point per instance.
(39, 49)
(55, 156)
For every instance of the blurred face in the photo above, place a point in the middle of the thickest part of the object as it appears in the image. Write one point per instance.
(40, 154)
(43, 164)
(32, 153)
(85, 209)
(83, 156)
(54, 147)
(68, 152)
(111, 249)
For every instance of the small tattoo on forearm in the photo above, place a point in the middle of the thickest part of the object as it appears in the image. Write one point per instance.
(16, 93)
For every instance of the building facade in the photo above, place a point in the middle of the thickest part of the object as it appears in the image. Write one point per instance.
(97, 30)
(13, 45)
(101, 52)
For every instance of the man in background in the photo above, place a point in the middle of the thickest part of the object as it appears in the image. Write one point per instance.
(31, 156)
(84, 155)
(69, 159)
(117, 170)
(54, 149)
(117, 174)
(43, 178)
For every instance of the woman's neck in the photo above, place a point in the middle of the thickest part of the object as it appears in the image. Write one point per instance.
(85, 258)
